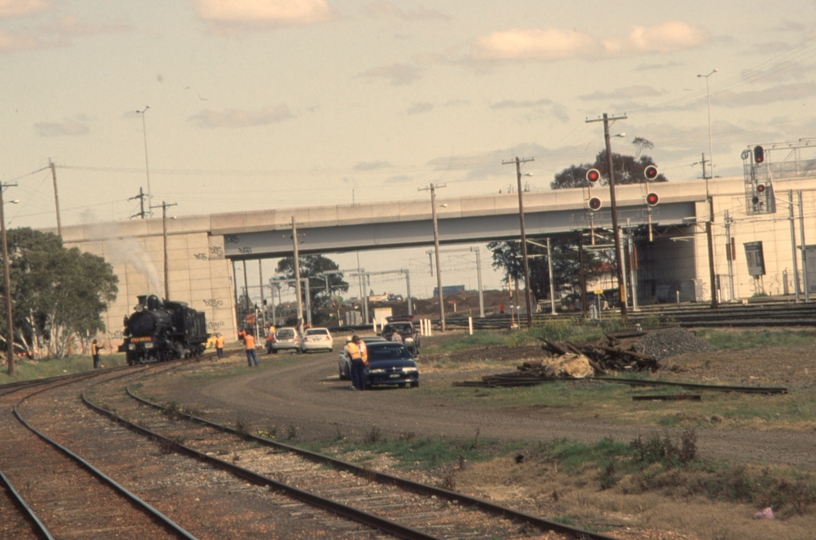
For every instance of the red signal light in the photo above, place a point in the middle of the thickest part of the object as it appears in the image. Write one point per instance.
(593, 175)
(761, 188)
(652, 199)
(595, 203)
(650, 172)
(759, 154)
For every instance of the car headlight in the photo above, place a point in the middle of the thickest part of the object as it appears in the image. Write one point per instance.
(409, 370)
(376, 371)
(409, 340)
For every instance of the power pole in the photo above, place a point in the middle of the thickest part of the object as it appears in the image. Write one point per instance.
(614, 209)
(164, 206)
(432, 188)
(297, 278)
(525, 264)
(141, 196)
(56, 196)
(7, 282)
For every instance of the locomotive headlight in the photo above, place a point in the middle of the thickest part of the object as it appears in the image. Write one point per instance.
(131, 347)
(148, 345)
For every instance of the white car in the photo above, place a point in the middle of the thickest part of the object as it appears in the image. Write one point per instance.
(317, 339)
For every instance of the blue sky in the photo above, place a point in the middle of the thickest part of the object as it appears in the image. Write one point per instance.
(276, 103)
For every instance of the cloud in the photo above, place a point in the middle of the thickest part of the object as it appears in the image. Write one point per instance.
(556, 44)
(236, 118)
(649, 67)
(17, 42)
(662, 38)
(396, 74)
(513, 104)
(419, 108)
(550, 44)
(243, 14)
(782, 92)
(13, 8)
(69, 128)
(629, 92)
(372, 166)
(387, 9)
(487, 164)
(402, 178)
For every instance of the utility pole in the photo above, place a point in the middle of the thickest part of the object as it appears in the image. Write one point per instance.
(7, 282)
(147, 167)
(614, 208)
(164, 206)
(712, 274)
(806, 287)
(141, 196)
(525, 263)
(263, 304)
(793, 245)
(730, 255)
(297, 278)
(432, 188)
(56, 196)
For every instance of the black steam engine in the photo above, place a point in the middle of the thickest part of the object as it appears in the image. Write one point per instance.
(158, 331)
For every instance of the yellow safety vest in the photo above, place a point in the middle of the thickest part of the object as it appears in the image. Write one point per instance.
(353, 351)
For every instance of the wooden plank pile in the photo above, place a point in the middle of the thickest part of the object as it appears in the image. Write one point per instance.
(613, 352)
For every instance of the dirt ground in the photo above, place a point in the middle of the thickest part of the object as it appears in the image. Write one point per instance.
(302, 394)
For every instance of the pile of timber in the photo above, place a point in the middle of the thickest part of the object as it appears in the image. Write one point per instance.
(613, 352)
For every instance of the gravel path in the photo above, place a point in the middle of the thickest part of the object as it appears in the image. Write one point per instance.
(306, 398)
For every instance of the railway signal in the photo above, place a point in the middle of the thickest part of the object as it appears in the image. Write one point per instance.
(593, 175)
(759, 154)
(652, 199)
(595, 204)
(650, 172)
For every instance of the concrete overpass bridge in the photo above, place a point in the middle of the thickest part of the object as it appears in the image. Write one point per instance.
(200, 248)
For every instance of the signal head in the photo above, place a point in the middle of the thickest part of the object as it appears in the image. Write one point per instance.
(761, 188)
(652, 199)
(593, 175)
(595, 204)
(650, 172)
(759, 154)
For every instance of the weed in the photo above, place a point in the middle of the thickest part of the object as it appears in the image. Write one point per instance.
(173, 411)
(291, 432)
(242, 426)
(609, 476)
(373, 435)
(407, 436)
(338, 436)
(475, 444)
(448, 480)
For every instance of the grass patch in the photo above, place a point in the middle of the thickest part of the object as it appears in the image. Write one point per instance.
(44, 368)
(736, 340)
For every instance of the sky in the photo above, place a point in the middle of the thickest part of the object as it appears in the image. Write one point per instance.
(262, 104)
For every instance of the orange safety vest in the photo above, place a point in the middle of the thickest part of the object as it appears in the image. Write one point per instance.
(353, 351)
(219, 342)
(249, 340)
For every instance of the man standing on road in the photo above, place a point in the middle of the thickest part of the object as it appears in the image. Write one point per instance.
(249, 342)
(219, 345)
(95, 353)
(357, 365)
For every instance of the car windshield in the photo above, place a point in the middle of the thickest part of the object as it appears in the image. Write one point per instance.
(388, 352)
(401, 328)
(286, 333)
(317, 332)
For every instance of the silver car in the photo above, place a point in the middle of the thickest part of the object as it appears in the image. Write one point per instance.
(286, 339)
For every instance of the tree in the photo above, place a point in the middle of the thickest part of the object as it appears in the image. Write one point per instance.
(310, 267)
(628, 169)
(56, 292)
(566, 264)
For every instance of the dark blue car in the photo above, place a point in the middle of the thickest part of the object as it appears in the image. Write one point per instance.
(390, 363)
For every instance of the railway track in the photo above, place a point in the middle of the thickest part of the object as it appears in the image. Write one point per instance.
(395, 506)
(52, 492)
(764, 314)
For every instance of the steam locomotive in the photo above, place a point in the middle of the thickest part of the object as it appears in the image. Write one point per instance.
(161, 330)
